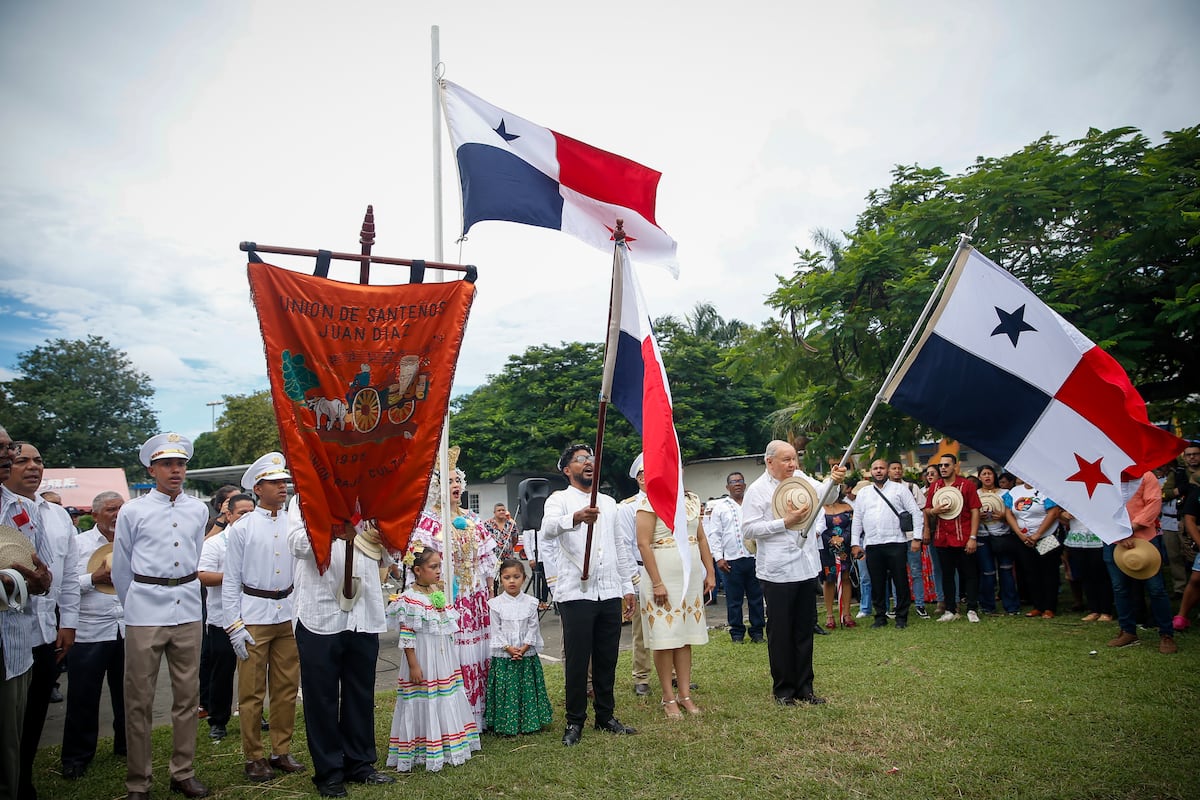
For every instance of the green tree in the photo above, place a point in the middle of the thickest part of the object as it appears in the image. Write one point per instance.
(81, 401)
(1106, 229)
(546, 397)
(247, 428)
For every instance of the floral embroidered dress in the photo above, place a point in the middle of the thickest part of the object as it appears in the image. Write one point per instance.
(432, 724)
(683, 621)
(474, 562)
(516, 691)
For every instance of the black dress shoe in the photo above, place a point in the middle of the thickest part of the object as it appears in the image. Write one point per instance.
(55, 695)
(74, 772)
(786, 701)
(286, 763)
(331, 789)
(879, 623)
(757, 640)
(374, 778)
(615, 725)
(691, 684)
(641, 689)
(216, 732)
(189, 787)
(812, 700)
(137, 796)
(572, 735)
(817, 629)
(901, 624)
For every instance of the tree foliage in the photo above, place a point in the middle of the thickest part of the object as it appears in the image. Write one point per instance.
(1105, 229)
(82, 402)
(546, 398)
(247, 428)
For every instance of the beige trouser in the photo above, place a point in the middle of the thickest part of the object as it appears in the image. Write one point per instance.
(273, 661)
(145, 647)
(642, 658)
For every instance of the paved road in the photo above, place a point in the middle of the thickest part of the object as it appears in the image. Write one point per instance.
(385, 676)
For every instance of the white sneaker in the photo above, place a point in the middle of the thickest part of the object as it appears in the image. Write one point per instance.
(972, 616)
(862, 615)
(949, 616)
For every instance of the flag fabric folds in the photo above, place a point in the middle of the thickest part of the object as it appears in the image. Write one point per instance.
(360, 383)
(999, 370)
(516, 171)
(640, 391)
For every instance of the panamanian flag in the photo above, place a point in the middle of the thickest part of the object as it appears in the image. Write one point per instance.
(999, 370)
(639, 389)
(515, 171)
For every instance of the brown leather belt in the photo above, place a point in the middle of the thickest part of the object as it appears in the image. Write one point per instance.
(267, 594)
(164, 581)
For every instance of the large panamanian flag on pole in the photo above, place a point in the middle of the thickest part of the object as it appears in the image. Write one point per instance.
(516, 171)
(640, 391)
(999, 370)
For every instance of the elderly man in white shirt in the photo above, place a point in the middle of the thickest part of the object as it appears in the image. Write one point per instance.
(54, 639)
(338, 652)
(256, 600)
(787, 564)
(591, 611)
(99, 650)
(877, 530)
(156, 551)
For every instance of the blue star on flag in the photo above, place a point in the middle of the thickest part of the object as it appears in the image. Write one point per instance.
(1012, 324)
(505, 135)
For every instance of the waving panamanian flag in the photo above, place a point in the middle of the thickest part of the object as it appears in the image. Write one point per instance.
(637, 383)
(516, 171)
(1066, 418)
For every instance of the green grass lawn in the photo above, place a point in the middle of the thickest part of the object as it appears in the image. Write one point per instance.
(1008, 708)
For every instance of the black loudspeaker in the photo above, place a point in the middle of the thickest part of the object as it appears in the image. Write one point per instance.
(531, 502)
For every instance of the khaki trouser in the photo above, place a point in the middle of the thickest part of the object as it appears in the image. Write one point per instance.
(145, 647)
(275, 663)
(642, 659)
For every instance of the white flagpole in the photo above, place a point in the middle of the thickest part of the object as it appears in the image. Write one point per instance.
(964, 240)
(437, 274)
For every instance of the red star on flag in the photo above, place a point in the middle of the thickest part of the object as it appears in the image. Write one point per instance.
(613, 237)
(1089, 473)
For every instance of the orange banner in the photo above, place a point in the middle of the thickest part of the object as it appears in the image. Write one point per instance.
(360, 380)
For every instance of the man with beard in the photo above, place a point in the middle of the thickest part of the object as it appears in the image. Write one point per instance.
(876, 528)
(591, 610)
(54, 639)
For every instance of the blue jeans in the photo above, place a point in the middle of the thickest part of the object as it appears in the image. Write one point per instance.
(987, 575)
(1003, 553)
(937, 574)
(1155, 588)
(864, 586)
(740, 582)
(917, 572)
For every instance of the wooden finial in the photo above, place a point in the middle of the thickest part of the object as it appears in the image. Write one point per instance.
(367, 236)
(619, 233)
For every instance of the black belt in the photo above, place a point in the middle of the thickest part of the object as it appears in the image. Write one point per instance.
(164, 581)
(267, 594)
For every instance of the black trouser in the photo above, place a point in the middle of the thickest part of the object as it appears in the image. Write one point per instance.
(1088, 567)
(957, 560)
(222, 663)
(791, 615)
(591, 635)
(1043, 576)
(90, 663)
(45, 673)
(341, 735)
(887, 564)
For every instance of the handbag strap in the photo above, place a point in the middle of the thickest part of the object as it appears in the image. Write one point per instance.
(889, 502)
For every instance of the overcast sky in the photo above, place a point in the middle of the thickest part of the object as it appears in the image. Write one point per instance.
(144, 140)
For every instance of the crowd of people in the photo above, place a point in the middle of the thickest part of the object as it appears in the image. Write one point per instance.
(116, 600)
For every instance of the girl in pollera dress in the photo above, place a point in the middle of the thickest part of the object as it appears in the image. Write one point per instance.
(516, 692)
(433, 724)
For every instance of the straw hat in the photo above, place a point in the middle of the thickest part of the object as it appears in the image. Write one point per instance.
(948, 502)
(991, 502)
(368, 543)
(1139, 562)
(801, 493)
(102, 558)
(15, 548)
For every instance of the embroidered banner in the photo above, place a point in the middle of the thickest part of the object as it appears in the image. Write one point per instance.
(360, 381)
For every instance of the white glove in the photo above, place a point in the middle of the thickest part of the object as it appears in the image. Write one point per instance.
(241, 640)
